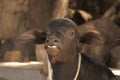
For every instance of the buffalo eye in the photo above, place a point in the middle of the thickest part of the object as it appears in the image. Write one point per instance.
(70, 33)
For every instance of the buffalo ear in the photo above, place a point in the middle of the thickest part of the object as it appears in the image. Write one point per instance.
(91, 38)
(38, 36)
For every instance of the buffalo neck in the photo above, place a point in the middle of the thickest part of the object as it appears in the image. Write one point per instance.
(65, 70)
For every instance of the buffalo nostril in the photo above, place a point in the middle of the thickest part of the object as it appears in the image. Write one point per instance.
(47, 41)
(52, 40)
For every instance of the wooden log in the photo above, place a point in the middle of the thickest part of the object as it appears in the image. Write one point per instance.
(60, 10)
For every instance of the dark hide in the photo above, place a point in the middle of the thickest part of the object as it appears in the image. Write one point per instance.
(63, 34)
(90, 70)
(62, 47)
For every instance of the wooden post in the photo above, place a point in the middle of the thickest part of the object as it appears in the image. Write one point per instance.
(60, 10)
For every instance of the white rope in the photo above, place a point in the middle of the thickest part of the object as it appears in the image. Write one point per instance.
(78, 68)
(50, 70)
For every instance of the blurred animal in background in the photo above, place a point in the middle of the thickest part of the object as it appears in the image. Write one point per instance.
(108, 32)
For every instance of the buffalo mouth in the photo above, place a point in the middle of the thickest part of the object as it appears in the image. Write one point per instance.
(52, 50)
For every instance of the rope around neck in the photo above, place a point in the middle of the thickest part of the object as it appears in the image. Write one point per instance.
(78, 68)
